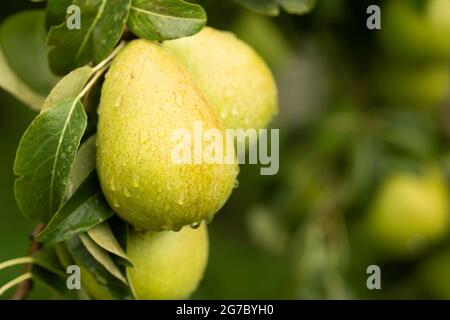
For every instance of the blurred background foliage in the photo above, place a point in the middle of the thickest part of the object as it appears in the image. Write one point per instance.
(364, 160)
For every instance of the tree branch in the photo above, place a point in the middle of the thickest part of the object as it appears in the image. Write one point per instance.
(23, 289)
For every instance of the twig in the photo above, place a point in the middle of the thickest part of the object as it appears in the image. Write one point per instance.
(23, 289)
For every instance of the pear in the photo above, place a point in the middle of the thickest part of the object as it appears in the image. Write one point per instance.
(234, 78)
(147, 96)
(409, 212)
(94, 289)
(168, 264)
(413, 33)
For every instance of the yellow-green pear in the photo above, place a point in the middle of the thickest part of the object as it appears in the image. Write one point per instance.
(410, 32)
(147, 98)
(409, 212)
(168, 264)
(234, 78)
(94, 289)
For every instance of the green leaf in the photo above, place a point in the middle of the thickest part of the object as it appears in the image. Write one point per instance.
(22, 38)
(298, 7)
(44, 159)
(165, 19)
(266, 7)
(103, 236)
(56, 12)
(85, 260)
(69, 87)
(84, 210)
(102, 256)
(12, 84)
(83, 165)
(102, 25)
(52, 281)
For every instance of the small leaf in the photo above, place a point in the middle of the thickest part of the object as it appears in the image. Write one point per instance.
(165, 19)
(103, 236)
(44, 159)
(56, 12)
(298, 7)
(103, 257)
(83, 165)
(12, 84)
(266, 7)
(85, 260)
(84, 210)
(69, 87)
(22, 38)
(103, 22)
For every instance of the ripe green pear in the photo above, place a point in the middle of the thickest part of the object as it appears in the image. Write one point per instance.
(234, 78)
(409, 212)
(168, 264)
(146, 97)
(410, 32)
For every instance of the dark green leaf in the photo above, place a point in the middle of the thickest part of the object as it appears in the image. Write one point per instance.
(44, 159)
(22, 38)
(10, 82)
(56, 12)
(266, 7)
(84, 210)
(165, 19)
(103, 236)
(85, 260)
(102, 25)
(298, 7)
(102, 256)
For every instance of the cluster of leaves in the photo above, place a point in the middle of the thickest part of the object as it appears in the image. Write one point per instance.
(57, 71)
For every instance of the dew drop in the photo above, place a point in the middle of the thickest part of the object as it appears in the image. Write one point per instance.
(236, 183)
(169, 186)
(126, 192)
(136, 181)
(143, 137)
(112, 185)
(181, 200)
(162, 133)
(116, 203)
(195, 225)
(153, 148)
(118, 101)
(178, 99)
(176, 229)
